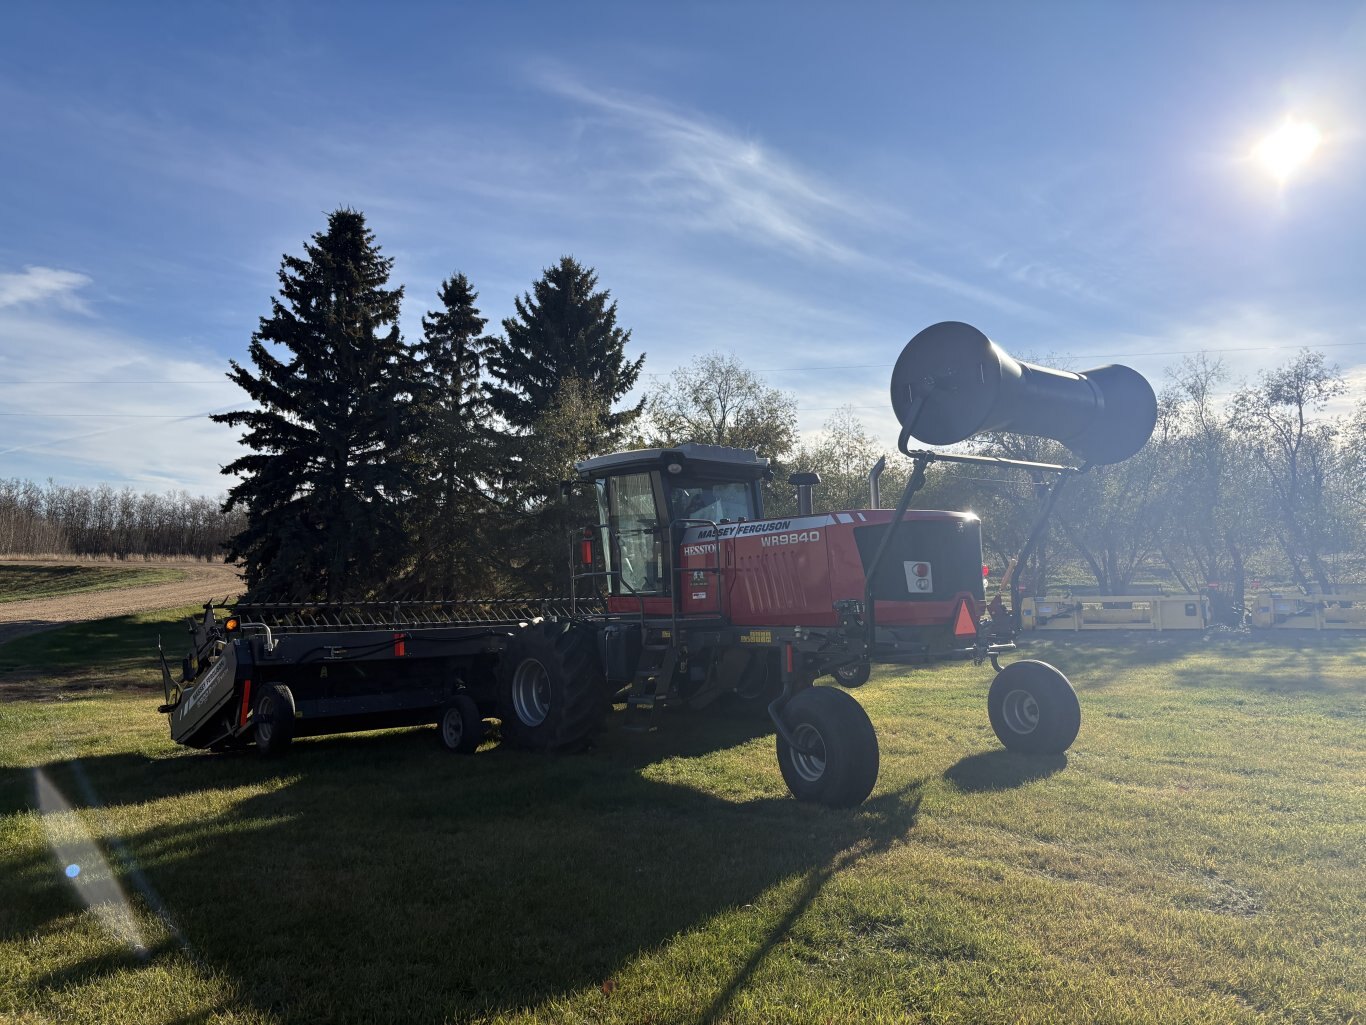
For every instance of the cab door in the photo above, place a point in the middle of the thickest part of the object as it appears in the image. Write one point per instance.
(636, 548)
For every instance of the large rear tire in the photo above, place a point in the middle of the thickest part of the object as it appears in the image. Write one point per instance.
(840, 767)
(274, 718)
(552, 695)
(1033, 708)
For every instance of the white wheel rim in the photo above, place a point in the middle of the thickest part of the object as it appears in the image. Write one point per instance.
(1020, 711)
(810, 767)
(263, 723)
(531, 692)
(452, 727)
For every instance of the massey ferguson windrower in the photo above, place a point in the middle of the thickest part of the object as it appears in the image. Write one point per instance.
(685, 593)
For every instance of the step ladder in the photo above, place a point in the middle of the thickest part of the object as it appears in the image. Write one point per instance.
(650, 687)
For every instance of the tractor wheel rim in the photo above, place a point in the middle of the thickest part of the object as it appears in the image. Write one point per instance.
(1020, 711)
(452, 728)
(531, 692)
(264, 711)
(810, 767)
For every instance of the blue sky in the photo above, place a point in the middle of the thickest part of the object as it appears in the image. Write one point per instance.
(803, 185)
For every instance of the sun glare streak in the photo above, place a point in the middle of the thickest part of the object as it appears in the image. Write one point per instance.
(84, 867)
(1287, 149)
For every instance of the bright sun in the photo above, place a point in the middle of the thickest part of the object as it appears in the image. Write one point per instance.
(1288, 148)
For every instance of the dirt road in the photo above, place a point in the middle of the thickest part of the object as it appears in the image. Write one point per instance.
(202, 582)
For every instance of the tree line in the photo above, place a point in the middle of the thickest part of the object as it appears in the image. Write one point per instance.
(374, 466)
(54, 519)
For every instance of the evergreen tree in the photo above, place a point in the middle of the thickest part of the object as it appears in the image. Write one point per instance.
(563, 329)
(456, 458)
(557, 371)
(330, 464)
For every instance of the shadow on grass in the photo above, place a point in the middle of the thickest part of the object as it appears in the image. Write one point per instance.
(380, 878)
(115, 644)
(1260, 660)
(1001, 770)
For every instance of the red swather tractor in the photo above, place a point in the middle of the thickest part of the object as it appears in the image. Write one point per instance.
(686, 594)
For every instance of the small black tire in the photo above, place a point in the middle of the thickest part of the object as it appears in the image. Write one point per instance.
(273, 715)
(758, 687)
(461, 726)
(1033, 708)
(843, 771)
(853, 674)
(552, 694)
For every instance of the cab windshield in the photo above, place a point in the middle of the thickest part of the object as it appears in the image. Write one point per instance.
(711, 501)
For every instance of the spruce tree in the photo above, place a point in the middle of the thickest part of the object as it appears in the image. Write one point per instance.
(323, 486)
(456, 453)
(563, 329)
(557, 372)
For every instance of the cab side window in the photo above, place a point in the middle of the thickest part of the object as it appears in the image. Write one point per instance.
(635, 523)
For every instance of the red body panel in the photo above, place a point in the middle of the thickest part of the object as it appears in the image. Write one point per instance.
(791, 572)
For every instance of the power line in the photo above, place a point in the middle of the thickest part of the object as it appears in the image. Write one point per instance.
(118, 416)
(1090, 355)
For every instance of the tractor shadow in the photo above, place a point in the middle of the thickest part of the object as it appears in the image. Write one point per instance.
(376, 877)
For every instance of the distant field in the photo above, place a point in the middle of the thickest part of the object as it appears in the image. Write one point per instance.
(25, 581)
(1199, 856)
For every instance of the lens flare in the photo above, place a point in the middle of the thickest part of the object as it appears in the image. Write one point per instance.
(1287, 149)
(90, 875)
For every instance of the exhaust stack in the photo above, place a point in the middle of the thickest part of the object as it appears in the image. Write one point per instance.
(875, 483)
(804, 482)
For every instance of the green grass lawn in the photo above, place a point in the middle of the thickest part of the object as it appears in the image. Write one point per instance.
(24, 581)
(1199, 856)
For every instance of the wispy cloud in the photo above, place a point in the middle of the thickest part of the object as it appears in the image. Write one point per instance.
(713, 177)
(42, 284)
(81, 402)
(1045, 276)
(703, 176)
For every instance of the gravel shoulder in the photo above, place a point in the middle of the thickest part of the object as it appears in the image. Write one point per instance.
(202, 582)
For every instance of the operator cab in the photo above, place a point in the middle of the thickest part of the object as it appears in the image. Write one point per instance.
(647, 497)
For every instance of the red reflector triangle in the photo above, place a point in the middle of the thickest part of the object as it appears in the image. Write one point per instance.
(963, 623)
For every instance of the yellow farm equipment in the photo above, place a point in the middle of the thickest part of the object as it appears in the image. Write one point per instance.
(1273, 611)
(1156, 612)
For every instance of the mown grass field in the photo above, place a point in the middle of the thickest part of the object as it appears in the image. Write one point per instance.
(1199, 856)
(25, 581)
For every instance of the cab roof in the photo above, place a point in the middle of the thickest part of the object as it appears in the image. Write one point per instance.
(693, 459)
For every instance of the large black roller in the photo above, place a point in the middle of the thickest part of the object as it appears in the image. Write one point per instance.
(951, 382)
